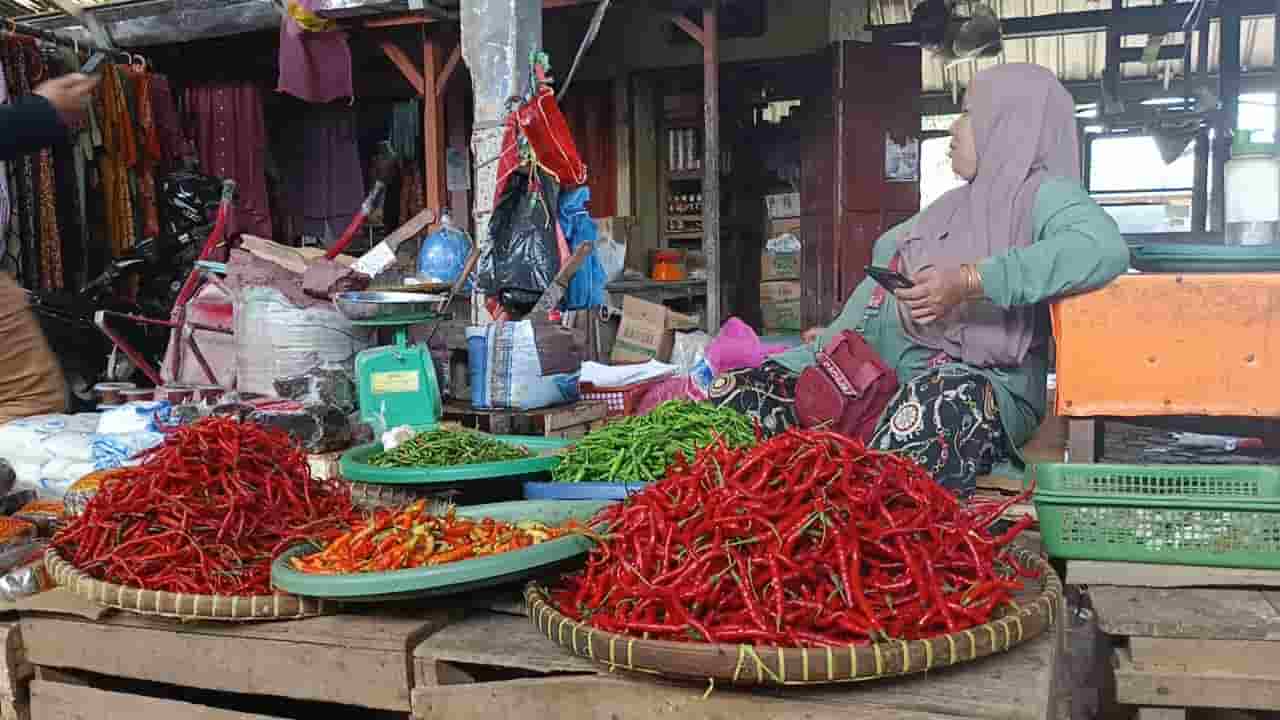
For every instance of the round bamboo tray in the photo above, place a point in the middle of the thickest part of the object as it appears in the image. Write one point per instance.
(224, 608)
(1036, 610)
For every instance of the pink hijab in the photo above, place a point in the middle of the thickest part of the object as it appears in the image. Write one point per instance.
(1024, 124)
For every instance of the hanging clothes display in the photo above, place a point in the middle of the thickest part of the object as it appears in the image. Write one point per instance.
(315, 59)
(173, 146)
(119, 156)
(324, 179)
(226, 122)
(406, 123)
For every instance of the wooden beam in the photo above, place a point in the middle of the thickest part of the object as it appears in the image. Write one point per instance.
(711, 164)
(455, 58)
(690, 28)
(401, 60)
(397, 21)
(433, 142)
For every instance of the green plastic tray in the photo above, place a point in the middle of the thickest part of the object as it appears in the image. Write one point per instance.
(1224, 516)
(457, 577)
(1175, 257)
(355, 468)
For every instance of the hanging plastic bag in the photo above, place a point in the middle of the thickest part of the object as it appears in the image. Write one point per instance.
(586, 287)
(443, 254)
(523, 256)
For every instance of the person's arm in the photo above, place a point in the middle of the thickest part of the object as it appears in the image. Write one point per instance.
(1079, 247)
(28, 125)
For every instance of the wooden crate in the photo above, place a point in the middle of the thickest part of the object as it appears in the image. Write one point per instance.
(568, 422)
(355, 660)
(68, 701)
(497, 665)
(1168, 344)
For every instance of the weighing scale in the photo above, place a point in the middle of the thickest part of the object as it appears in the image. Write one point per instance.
(397, 386)
(397, 383)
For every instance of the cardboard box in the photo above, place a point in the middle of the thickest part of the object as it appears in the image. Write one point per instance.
(779, 266)
(785, 205)
(780, 305)
(783, 226)
(647, 331)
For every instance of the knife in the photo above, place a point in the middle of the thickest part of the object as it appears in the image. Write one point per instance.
(555, 291)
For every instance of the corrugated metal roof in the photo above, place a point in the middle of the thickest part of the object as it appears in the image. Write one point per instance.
(22, 8)
(1080, 56)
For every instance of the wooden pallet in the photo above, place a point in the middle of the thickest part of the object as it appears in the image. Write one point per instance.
(568, 422)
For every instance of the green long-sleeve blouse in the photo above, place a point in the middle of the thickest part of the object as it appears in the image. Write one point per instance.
(1077, 247)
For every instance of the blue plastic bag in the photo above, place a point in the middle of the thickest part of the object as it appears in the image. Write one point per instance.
(443, 254)
(586, 287)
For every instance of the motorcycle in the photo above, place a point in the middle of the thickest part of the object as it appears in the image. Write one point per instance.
(157, 268)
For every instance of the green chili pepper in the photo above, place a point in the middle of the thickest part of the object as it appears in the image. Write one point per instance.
(442, 448)
(639, 449)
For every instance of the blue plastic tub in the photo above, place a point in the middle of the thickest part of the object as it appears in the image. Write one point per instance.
(580, 491)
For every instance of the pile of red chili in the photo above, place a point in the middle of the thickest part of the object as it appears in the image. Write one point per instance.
(206, 512)
(808, 539)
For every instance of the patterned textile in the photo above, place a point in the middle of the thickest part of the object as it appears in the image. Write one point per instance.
(766, 394)
(949, 422)
(947, 419)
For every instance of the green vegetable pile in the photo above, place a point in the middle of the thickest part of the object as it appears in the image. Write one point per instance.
(639, 449)
(444, 448)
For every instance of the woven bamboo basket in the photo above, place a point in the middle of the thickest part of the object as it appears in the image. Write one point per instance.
(1036, 611)
(224, 608)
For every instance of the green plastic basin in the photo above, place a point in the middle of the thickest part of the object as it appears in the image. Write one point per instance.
(455, 577)
(355, 465)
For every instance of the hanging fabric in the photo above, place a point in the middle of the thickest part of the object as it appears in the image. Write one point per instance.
(119, 155)
(229, 132)
(314, 59)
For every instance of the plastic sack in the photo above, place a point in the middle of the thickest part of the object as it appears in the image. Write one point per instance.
(70, 445)
(443, 254)
(526, 366)
(275, 339)
(586, 287)
(134, 417)
(688, 348)
(327, 384)
(24, 440)
(523, 255)
(113, 451)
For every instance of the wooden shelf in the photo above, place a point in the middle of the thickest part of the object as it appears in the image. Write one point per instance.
(684, 235)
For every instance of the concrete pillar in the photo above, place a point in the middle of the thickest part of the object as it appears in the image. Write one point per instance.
(498, 37)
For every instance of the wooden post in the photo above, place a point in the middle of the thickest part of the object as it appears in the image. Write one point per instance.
(711, 162)
(433, 143)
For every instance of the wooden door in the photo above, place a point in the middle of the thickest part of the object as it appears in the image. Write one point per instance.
(847, 201)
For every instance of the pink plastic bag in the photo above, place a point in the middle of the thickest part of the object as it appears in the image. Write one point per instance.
(676, 388)
(737, 346)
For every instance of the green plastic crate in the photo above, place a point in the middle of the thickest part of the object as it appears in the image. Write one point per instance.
(1224, 516)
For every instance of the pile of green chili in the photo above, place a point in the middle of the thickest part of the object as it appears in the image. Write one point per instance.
(444, 448)
(639, 449)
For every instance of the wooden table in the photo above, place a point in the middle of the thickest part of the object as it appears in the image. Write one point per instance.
(1180, 648)
(497, 665)
(354, 660)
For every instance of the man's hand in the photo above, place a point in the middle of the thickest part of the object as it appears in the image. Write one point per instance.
(69, 95)
(936, 293)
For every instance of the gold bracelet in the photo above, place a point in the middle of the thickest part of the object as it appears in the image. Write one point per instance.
(972, 281)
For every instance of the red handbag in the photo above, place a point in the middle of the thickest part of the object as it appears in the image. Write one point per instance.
(848, 388)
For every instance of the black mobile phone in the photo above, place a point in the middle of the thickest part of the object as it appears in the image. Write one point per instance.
(890, 280)
(91, 65)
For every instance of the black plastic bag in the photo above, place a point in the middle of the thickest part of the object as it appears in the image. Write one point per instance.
(188, 204)
(524, 255)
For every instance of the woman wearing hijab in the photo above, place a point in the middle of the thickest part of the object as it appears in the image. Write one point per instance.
(970, 340)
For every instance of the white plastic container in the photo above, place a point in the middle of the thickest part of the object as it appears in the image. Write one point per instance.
(1253, 193)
